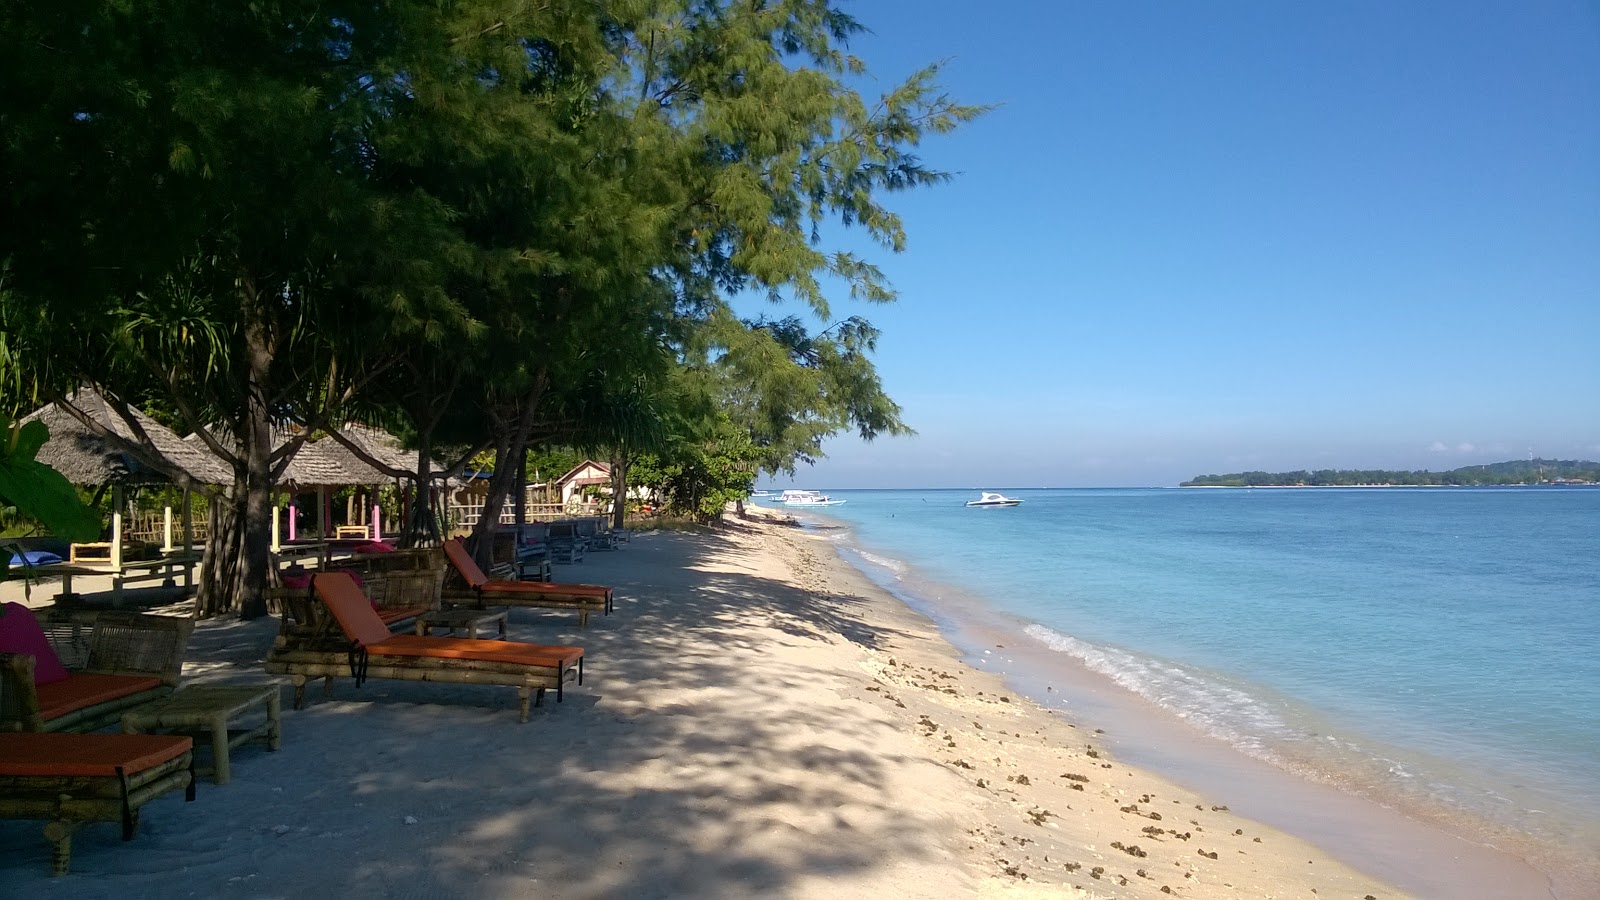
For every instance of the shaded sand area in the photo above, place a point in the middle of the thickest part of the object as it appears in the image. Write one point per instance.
(757, 720)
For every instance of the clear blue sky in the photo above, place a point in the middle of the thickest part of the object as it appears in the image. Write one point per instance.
(1209, 237)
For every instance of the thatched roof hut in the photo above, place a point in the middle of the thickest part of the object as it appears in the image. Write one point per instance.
(381, 446)
(87, 458)
(327, 463)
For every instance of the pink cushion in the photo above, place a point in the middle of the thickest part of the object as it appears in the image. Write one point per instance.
(20, 633)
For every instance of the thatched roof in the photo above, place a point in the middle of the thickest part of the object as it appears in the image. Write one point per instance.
(381, 446)
(327, 463)
(87, 458)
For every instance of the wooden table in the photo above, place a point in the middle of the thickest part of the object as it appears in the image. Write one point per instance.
(464, 618)
(209, 709)
(131, 570)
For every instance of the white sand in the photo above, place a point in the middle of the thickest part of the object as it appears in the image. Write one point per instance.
(756, 721)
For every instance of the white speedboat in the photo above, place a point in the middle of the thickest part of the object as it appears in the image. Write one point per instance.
(990, 498)
(807, 498)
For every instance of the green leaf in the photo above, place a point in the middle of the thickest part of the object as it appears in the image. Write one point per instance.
(39, 491)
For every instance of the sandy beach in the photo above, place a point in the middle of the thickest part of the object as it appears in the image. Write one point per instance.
(757, 719)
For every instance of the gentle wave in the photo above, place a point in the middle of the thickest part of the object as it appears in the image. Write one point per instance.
(1223, 711)
(895, 566)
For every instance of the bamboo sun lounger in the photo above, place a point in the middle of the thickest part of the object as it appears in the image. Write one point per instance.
(70, 780)
(372, 651)
(484, 591)
(78, 677)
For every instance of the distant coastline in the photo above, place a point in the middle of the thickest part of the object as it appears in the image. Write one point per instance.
(1251, 487)
(1511, 473)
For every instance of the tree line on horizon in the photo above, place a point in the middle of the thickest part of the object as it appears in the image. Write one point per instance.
(491, 228)
(1516, 471)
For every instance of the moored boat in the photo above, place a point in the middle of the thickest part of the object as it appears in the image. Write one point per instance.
(992, 499)
(807, 498)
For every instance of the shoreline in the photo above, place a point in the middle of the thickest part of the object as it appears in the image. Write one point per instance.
(1121, 818)
(1424, 856)
(759, 719)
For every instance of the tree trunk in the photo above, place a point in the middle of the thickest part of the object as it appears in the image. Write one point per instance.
(234, 569)
(500, 487)
(422, 528)
(619, 489)
(504, 477)
(220, 574)
(234, 574)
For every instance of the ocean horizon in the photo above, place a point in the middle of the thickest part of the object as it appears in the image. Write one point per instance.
(1431, 649)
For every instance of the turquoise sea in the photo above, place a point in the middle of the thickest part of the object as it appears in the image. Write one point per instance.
(1434, 649)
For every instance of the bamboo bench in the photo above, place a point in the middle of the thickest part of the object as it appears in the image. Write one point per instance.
(117, 661)
(70, 780)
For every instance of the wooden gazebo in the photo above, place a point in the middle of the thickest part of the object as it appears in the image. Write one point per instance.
(108, 449)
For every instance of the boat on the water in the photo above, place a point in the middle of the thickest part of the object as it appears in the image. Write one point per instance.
(807, 498)
(991, 499)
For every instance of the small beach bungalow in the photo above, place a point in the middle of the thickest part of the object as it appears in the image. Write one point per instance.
(588, 473)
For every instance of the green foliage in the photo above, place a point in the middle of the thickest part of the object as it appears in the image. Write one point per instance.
(39, 491)
(32, 489)
(1533, 471)
(698, 479)
(487, 225)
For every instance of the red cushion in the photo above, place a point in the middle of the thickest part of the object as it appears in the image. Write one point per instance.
(391, 616)
(20, 633)
(546, 588)
(374, 547)
(85, 689)
(298, 582)
(86, 755)
(537, 655)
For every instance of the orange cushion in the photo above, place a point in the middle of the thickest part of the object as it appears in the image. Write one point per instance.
(391, 616)
(457, 553)
(92, 755)
(481, 651)
(350, 607)
(85, 689)
(546, 587)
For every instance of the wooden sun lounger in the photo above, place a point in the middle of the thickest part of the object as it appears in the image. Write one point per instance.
(130, 659)
(483, 591)
(70, 780)
(373, 652)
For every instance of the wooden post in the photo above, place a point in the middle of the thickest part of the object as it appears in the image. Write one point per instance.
(277, 546)
(323, 512)
(166, 529)
(377, 521)
(293, 515)
(188, 539)
(117, 500)
(116, 527)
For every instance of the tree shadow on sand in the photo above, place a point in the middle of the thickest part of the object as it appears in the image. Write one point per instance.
(677, 769)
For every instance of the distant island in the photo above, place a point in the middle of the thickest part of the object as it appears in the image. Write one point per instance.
(1516, 471)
